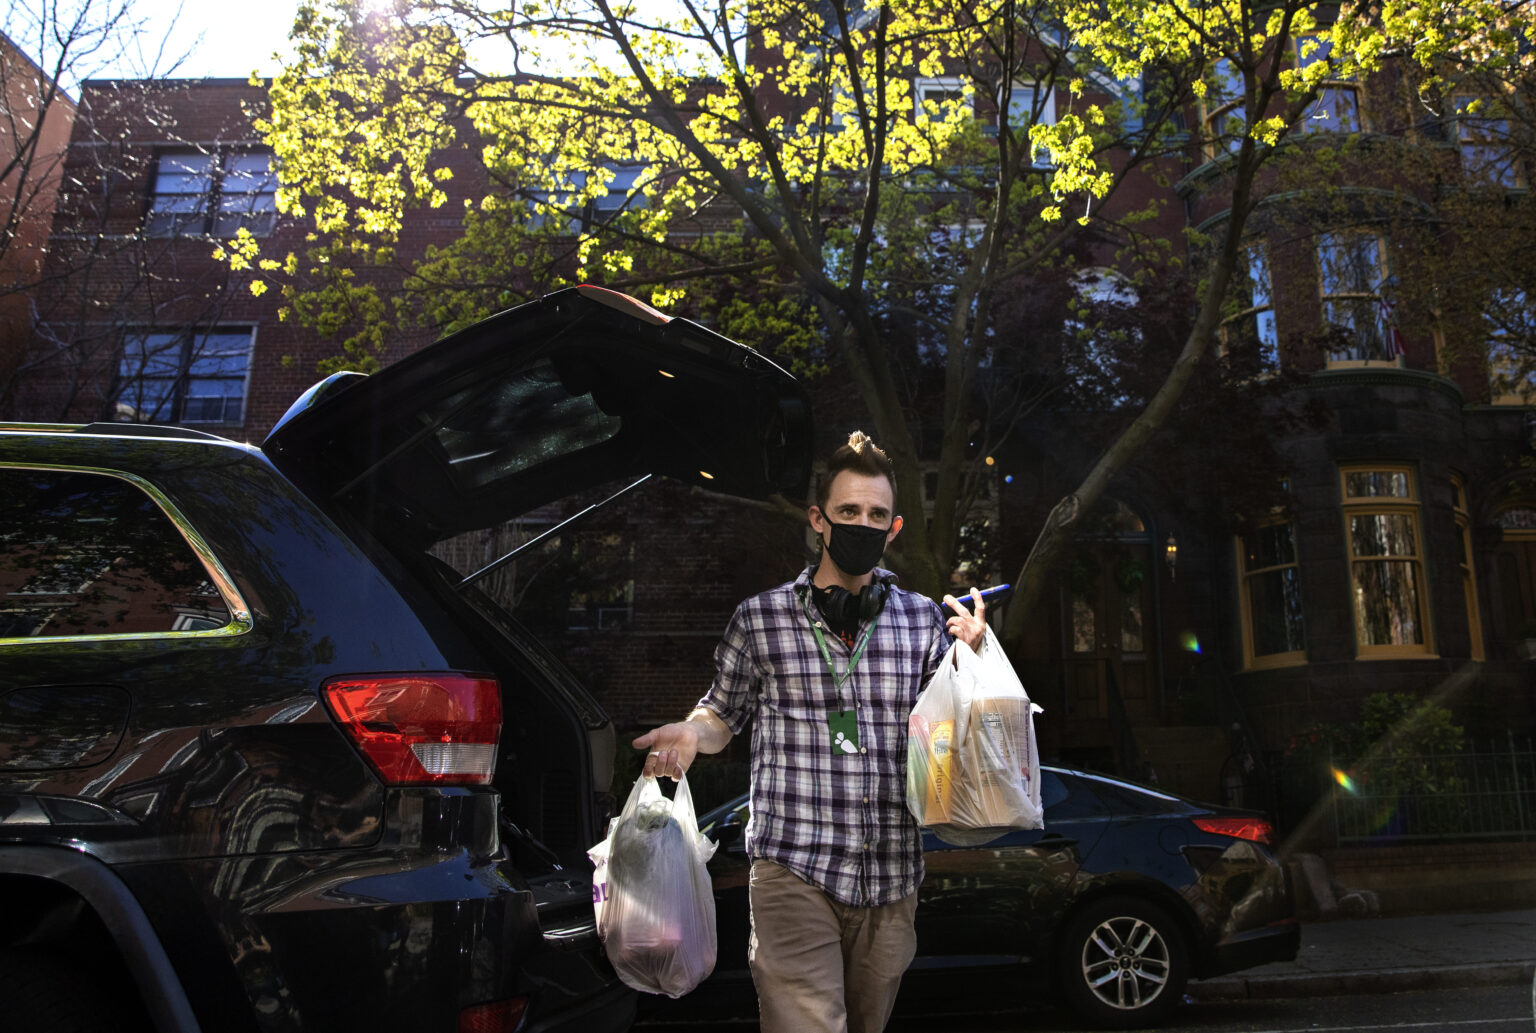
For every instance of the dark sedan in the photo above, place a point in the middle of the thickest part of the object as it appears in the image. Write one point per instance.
(1124, 895)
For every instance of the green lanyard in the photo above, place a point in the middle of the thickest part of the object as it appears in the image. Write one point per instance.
(838, 680)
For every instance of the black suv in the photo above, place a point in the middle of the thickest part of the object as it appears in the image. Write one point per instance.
(268, 764)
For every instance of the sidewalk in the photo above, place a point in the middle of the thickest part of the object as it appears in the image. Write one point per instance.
(1385, 955)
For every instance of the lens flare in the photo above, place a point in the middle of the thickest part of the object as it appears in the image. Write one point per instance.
(1189, 643)
(1344, 781)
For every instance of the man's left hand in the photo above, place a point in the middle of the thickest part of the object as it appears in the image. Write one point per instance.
(968, 626)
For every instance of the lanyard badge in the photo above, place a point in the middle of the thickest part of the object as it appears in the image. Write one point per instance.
(843, 726)
(842, 723)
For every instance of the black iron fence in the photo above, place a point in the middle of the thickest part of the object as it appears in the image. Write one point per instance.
(1486, 790)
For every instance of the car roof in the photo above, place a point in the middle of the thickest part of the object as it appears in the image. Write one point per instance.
(107, 429)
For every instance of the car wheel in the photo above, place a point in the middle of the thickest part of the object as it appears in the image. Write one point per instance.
(46, 991)
(1124, 963)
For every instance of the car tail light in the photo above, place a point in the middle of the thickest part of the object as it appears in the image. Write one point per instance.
(493, 1017)
(1256, 829)
(421, 729)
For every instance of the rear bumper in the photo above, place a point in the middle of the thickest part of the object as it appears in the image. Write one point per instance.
(384, 941)
(1278, 942)
(612, 1011)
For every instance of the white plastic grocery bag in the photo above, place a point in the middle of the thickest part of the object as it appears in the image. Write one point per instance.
(973, 765)
(651, 892)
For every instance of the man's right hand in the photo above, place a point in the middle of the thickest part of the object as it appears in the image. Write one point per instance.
(672, 747)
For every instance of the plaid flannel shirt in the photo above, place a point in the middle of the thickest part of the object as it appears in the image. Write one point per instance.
(838, 820)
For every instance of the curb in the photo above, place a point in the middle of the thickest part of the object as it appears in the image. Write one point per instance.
(1378, 981)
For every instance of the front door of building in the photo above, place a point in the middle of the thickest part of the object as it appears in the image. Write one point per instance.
(1106, 637)
(1514, 565)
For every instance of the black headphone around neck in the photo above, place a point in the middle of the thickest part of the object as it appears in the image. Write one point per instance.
(841, 606)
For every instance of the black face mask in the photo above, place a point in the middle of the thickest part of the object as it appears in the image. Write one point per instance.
(856, 548)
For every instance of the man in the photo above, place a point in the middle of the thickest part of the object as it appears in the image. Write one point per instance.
(829, 665)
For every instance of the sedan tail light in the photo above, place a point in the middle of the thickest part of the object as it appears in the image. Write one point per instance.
(421, 729)
(1256, 829)
(495, 1017)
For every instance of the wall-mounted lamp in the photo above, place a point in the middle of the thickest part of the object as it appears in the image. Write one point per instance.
(1171, 555)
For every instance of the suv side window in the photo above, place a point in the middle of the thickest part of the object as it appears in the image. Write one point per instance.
(92, 554)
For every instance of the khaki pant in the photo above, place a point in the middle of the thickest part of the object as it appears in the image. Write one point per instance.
(820, 966)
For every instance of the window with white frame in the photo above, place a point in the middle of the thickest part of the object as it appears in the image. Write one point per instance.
(1223, 118)
(976, 560)
(1337, 108)
(1509, 321)
(217, 193)
(936, 97)
(565, 208)
(1356, 309)
(1098, 331)
(841, 106)
(1031, 104)
(605, 600)
(623, 191)
(184, 376)
(1483, 134)
(1382, 531)
(1252, 328)
(942, 264)
(1274, 631)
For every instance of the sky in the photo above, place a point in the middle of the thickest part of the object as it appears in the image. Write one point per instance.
(225, 39)
(220, 38)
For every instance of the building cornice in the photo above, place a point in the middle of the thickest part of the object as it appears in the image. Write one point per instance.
(1397, 197)
(1388, 376)
(1214, 168)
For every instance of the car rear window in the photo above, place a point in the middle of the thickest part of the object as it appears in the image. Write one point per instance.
(1121, 798)
(490, 432)
(1065, 798)
(93, 554)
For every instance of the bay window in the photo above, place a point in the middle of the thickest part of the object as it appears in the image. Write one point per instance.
(1488, 153)
(1274, 632)
(1223, 117)
(1356, 311)
(1337, 107)
(1468, 570)
(1252, 328)
(1382, 524)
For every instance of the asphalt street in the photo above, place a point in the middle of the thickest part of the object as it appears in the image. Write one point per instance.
(1461, 973)
(1504, 1009)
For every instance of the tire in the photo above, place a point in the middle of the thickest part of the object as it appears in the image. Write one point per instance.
(1124, 963)
(43, 990)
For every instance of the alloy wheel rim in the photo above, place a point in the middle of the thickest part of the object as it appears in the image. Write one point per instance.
(1126, 963)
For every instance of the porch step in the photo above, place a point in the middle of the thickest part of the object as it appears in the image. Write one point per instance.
(1187, 758)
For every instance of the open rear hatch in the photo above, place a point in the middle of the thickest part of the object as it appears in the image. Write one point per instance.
(580, 388)
(585, 387)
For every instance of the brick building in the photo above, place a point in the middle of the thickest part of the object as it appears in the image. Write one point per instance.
(1405, 561)
(34, 135)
